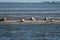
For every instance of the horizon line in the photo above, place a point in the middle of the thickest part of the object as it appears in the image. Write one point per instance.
(31, 2)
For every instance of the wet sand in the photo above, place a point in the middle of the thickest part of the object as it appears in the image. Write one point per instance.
(29, 21)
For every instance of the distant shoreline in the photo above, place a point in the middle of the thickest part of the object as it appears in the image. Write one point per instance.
(48, 2)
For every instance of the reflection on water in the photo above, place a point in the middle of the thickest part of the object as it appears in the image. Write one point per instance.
(29, 32)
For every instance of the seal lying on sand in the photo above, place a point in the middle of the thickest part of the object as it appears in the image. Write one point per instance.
(3, 19)
(33, 19)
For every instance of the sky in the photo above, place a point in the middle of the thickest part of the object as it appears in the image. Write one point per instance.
(26, 0)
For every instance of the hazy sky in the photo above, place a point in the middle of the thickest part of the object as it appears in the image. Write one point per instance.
(26, 0)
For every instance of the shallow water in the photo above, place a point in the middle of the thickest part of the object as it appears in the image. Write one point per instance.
(30, 31)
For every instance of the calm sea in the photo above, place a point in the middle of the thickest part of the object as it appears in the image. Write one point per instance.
(29, 31)
(28, 10)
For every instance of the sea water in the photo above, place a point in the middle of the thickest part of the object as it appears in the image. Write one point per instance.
(28, 10)
(29, 31)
